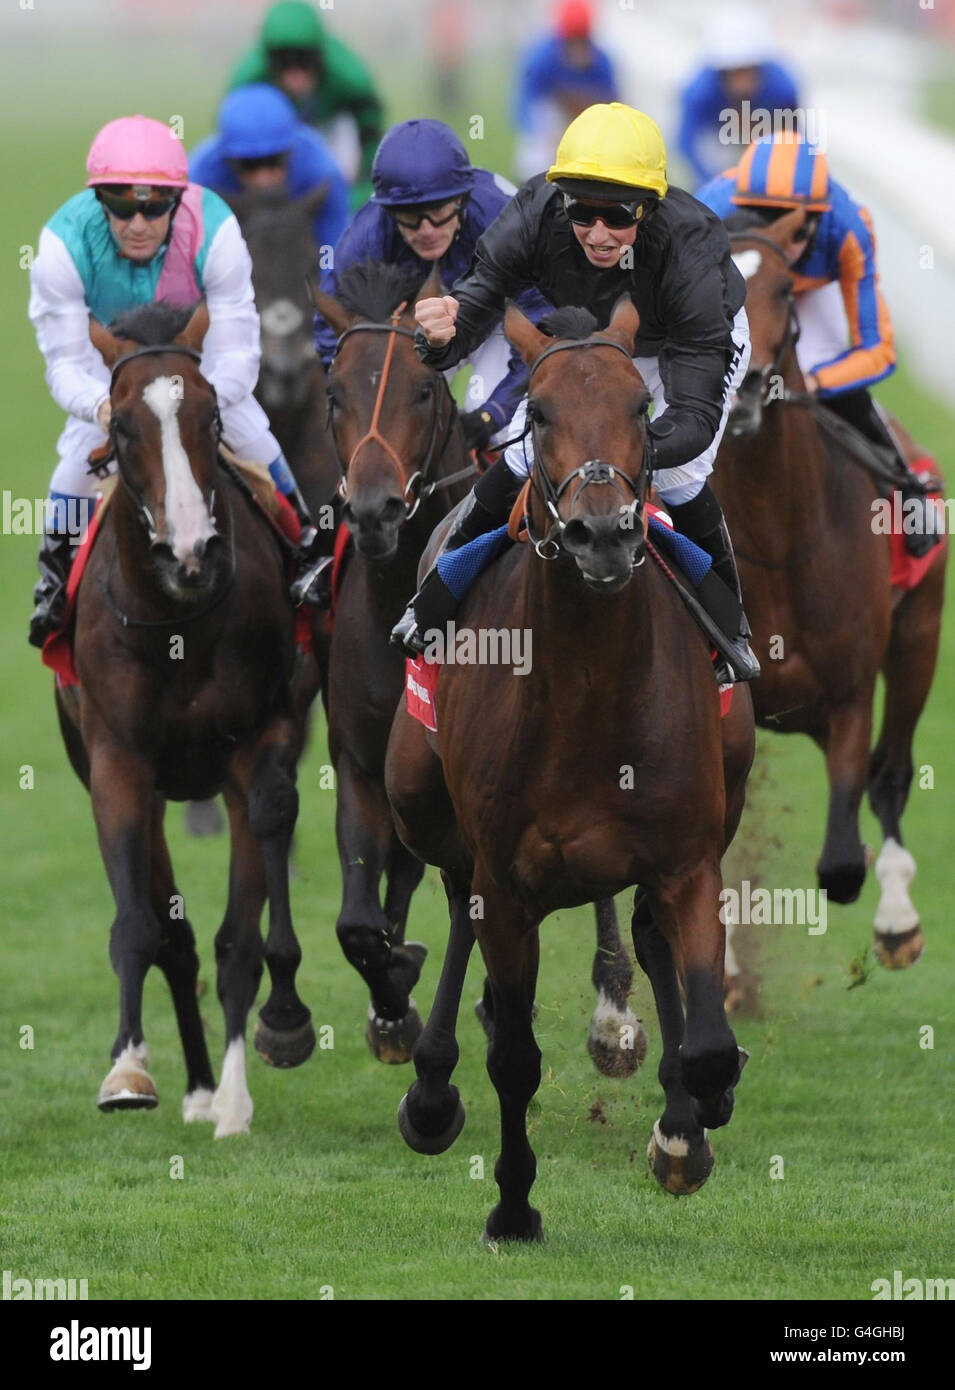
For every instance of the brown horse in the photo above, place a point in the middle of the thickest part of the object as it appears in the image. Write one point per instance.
(418, 431)
(185, 653)
(816, 578)
(605, 766)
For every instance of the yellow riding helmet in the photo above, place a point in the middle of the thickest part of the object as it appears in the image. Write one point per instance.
(613, 144)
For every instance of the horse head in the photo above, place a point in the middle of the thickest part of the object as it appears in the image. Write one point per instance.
(278, 231)
(587, 406)
(763, 255)
(390, 415)
(164, 429)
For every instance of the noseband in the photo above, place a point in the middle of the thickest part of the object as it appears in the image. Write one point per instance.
(593, 472)
(420, 485)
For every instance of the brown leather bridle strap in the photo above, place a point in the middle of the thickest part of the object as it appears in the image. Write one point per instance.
(373, 432)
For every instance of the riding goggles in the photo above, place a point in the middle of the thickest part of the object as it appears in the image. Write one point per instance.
(144, 198)
(411, 218)
(617, 215)
(248, 164)
(282, 58)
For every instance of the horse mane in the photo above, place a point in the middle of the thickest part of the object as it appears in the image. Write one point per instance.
(374, 290)
(569, 322)
(153, 324)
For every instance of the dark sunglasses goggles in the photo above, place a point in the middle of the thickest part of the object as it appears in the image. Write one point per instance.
(616, 215)
(124, 203)
(412, 217)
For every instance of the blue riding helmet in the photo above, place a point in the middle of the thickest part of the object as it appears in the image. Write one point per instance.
(255, 121)
(420, 161)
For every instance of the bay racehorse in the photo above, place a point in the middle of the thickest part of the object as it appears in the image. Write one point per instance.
(278, 231)
(405, 463)
(188, 686)
(816, 575)
(605, 766)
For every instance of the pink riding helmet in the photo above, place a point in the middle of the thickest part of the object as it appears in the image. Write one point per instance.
(136, 149)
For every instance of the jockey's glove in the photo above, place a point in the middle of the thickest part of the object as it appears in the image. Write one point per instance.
(479, 428)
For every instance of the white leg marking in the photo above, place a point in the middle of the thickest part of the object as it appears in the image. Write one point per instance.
(676, 1146)
(122, 1080)
(608, 1020)
(232, 1104)
(197, 1105)
(895, 869)
(187, 515)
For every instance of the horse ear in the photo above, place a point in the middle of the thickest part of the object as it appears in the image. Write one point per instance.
(624, 323)
(109, 347)
(431, 289)
(522, 334)
(196, 329)
(334, 313)
(785, 231)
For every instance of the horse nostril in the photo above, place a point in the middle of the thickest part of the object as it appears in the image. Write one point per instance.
(578, 534)
(393, 511)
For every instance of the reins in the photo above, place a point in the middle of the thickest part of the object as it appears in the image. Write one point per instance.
(419, 485)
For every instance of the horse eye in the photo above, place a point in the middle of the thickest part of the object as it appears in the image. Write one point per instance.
(535, 414)
(426, 391)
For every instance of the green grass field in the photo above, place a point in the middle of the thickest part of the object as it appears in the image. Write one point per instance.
(323, 1193)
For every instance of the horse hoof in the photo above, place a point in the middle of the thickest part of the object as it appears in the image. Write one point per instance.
(617, 1042)
(843, 884)
(678, 1168)
(428, 1143)
(128, 1085)
(289, 1049)
(499, 1230)
(204, 818)
(197, 1105)
(392, 1040)
(899, 950)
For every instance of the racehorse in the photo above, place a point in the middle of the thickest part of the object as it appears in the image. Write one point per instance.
(605, 766)
(188, 686)
(816, 576)
(278, 231)
(404, 462)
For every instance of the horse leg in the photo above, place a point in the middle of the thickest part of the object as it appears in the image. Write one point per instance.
(841, 868)
(431, 1115)
(239, 954)
(706, 1063)
(511, 948)
(616, 1041)
(405, 871)
(179, 963)
(909, 669)
(121, 788)
(284, 1036)
(365, 828)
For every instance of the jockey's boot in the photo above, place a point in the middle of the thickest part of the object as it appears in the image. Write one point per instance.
(701, 520)
(486, 507)
(922, 525)
(55, 561)
(313, 567)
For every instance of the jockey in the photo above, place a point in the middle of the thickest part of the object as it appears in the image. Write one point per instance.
(604, 222)
(739, 69)
(328, 84)
(262, 146)
(429, 207)
(139, 232)
(841, 354)
(561, 74)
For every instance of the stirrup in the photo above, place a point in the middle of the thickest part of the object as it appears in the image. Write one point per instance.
(737, 662)
(406, 636)
(302, 586)
(919, 543)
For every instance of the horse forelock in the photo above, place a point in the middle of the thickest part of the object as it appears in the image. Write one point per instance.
(153, 324)
(374, 289)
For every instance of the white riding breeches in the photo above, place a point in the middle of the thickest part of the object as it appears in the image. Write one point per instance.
(823, 326)
(675, 485)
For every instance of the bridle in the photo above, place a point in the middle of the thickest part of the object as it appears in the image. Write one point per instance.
(142, 511)
(593, 472)
(790, 337)
(420, 485)
(145, 515)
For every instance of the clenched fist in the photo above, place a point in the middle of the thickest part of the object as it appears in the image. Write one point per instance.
(436, 319)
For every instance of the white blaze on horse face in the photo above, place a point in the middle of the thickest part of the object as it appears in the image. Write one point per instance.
(748, 262)
(187, 516)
